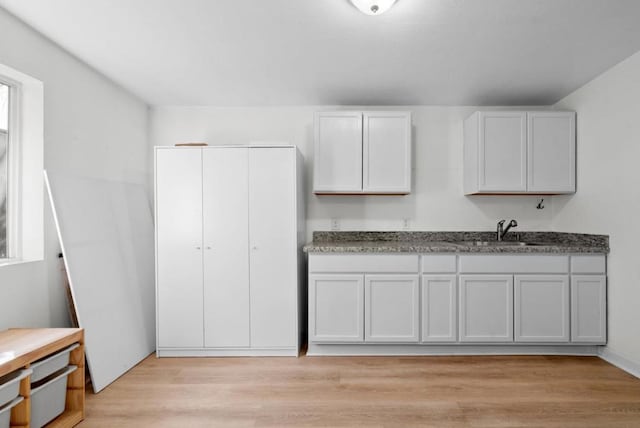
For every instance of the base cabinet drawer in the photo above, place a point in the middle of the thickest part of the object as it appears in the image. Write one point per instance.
(541, 308)
(336, 308)
(392, 308)
(364, 263)
(486, 308)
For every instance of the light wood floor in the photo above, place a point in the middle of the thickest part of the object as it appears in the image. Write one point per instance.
(531, 391)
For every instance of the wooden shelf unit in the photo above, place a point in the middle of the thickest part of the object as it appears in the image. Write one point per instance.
(26, 346)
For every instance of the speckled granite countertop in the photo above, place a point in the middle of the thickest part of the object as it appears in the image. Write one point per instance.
(456, 242)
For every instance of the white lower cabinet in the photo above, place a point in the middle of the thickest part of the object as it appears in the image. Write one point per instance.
(371, 308)
(486, 308)
(444, 299)
(588, 308)
(336, 308)
(541, 308)
(439, 304)
(392, 308)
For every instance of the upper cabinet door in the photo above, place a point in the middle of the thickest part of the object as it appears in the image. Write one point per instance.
(502, 152)
(386, 152)
(226, 234)
(551, 156)
(338, 152)
(179, 247)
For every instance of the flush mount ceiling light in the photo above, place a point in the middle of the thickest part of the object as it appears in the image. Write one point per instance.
(373, 7)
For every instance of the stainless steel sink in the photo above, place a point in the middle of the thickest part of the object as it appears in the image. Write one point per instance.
(494, 244)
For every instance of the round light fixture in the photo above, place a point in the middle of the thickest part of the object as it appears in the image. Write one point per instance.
(373, 7)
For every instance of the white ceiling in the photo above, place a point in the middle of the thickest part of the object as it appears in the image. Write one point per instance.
(292, 52)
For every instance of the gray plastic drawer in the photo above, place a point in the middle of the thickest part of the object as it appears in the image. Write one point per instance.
(48, 400)
(51, 364)
(5, 412)
(10, 385)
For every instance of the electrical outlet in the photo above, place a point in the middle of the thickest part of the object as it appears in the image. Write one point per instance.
(335, 224)
(406, 223)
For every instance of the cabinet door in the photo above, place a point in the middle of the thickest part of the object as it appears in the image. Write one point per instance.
(439, 303)
(336, 308)
(226, 242)
(386, 152)
(486, 308)
(391, 308)
(551, 152)
(541, 308)
(502, 165)
(337, 165)
(589, 308)
(179, 247)
(273, 247)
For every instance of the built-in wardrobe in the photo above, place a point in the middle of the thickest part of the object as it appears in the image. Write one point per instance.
(229, 267)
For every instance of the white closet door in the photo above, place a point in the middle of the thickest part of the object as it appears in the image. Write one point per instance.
(179, 247)
(226, 246)
(272, 236)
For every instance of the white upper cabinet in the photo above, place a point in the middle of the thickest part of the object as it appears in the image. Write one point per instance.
(338, 152)
(551, 152)
(502, 151)
(386, 152)
(519, 152)
(362, 153)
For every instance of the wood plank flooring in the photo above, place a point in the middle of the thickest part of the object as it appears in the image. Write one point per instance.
(514, 391)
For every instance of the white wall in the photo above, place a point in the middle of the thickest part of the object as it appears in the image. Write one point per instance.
(608, 197)
(92, 127)
(436, 203)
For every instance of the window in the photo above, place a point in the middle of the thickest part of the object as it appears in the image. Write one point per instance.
(21, 166)
(4, 164)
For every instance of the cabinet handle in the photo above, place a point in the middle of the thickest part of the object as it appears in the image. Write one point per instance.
(198, 248)
(254, 248)
(208, 247)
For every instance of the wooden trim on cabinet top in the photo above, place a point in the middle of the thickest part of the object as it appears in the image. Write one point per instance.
(28, 345)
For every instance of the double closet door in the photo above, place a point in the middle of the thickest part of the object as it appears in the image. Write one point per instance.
(226, 247)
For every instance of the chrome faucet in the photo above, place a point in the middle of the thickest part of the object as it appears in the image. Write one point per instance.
(500, 232)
